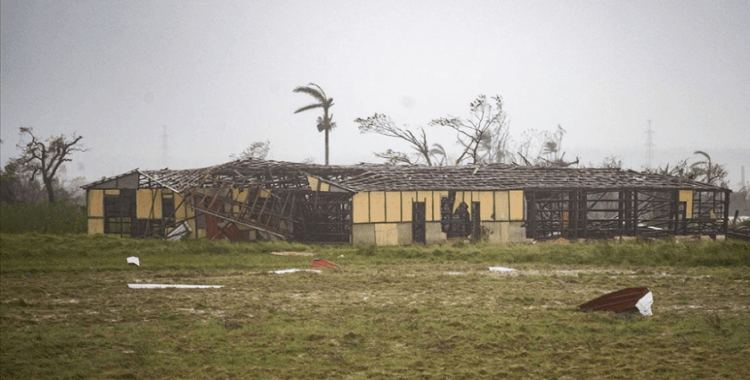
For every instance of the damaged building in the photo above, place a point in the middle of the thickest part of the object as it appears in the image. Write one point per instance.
(251, 200)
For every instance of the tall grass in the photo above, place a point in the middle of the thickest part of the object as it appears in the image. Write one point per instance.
(54, 218)
(69, 252)
(661, 253)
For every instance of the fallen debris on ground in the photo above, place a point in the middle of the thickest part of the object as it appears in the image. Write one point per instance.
(134, 260)
(501, 269)
(296, 270)
(623, 301)
(169, 286)
(320, 263)
(290, 253)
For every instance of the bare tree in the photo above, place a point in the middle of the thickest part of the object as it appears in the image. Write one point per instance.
(46, 158)
(542, 148)
(257, 150)
(705, 171)
(324, 123)
(383, 125)
(611, 162)
(712, 174)
(475, 133)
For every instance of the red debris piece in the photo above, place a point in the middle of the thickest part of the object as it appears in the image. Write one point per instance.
(619, 301)
(322, 263)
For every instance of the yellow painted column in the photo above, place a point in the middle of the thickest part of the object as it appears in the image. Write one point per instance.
(516, 204)
(361, 207)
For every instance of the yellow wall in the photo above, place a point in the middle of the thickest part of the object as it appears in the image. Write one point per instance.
(502, 205)
(396, 206)
(361, 207)
(393, 206)
(407, 197)
(516, 204)
(377, 206)
(486, 205)
(148, 204)
(687, 197)
(314, 183)
(96, 226)
(95, 203)
(112, 192)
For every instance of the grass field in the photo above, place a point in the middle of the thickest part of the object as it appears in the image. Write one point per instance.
(384, 313)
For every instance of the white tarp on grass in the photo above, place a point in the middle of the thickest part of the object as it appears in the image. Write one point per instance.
(296, 270)
(501, 269)
(168, 286)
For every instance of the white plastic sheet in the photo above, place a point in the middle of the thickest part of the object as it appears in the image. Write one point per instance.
(501, 269)
(181, 230)
(296, 270)
(644, 304)
(168, 286)
(134, 260)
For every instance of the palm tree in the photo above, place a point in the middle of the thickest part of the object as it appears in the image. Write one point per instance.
(324, 123)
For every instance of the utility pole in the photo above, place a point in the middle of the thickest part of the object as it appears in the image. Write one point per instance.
(649, 145)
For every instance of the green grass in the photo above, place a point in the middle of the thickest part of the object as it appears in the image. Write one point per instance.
(74, 252)
(384, 313)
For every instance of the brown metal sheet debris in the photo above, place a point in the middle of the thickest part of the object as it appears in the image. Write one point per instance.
(620, 301)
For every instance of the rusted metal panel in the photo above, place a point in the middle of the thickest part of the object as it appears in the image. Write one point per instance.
(320, 263)
(618, 302)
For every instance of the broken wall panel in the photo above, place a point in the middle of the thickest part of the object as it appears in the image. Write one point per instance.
(594, 213)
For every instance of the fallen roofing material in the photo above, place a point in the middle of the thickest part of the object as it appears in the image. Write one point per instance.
(621, 301)
(291, 253)
(133, 260)
(169, 286)
(319, 263)
(295, 270)
(501, 269)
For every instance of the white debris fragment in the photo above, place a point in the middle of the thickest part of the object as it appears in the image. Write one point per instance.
(455, 273)
(177, 286)
(134, 260)
(295, 270)
(177, 233)
(644, 304)
(290, 253)
(501, 269)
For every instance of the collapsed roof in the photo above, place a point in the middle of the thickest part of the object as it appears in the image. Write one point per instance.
(378, 177)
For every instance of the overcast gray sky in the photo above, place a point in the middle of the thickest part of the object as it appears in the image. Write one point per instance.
(220, 74)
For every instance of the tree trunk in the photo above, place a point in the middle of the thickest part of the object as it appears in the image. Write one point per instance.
(327, 146)
(50, 190)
